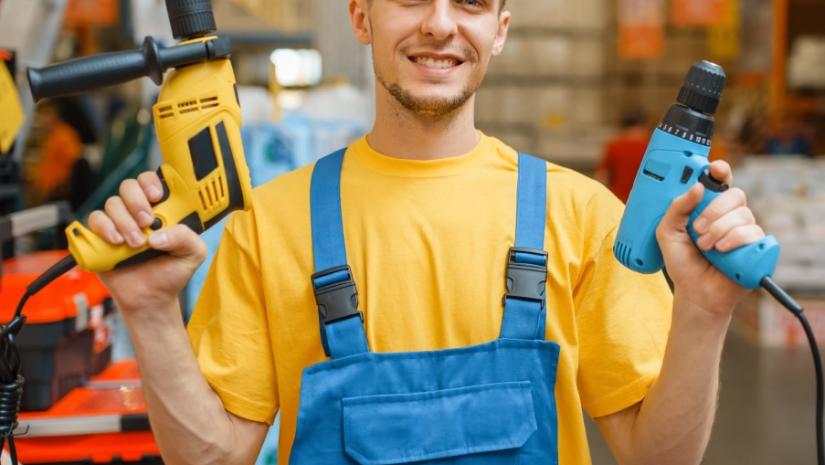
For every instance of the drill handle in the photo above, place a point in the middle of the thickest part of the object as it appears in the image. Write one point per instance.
(94, 253)
(108, 69)
(746, 265)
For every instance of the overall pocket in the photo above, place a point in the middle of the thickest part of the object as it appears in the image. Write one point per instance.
(482, 424)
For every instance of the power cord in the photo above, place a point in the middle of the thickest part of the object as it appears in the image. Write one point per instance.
(11, 380)
(787, 301)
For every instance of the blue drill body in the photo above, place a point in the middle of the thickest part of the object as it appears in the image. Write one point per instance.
(671, 166)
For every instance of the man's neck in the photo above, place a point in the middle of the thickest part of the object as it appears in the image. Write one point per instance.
(400, 133)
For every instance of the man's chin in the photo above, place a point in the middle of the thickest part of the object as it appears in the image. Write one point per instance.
(430, 105)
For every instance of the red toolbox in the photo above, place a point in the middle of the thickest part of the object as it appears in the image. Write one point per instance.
(103, 422)
(66, 337)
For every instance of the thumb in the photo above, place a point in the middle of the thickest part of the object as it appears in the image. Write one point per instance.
(678, 215)
(178, 241)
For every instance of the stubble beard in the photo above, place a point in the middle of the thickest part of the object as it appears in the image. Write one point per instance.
(431, 108)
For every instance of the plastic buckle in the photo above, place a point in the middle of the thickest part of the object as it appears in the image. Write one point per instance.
(338, 299)
(526, 274)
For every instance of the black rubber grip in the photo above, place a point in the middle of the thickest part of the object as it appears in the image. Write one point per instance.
(108, 69)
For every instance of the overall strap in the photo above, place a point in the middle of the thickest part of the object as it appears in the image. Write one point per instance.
(342, 330)
(524, 303)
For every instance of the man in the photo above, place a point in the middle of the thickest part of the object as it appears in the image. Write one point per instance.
(428, 208)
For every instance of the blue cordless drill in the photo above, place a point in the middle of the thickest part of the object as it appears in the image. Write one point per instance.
(676, 159)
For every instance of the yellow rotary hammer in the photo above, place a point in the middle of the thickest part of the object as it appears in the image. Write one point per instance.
(197, 118)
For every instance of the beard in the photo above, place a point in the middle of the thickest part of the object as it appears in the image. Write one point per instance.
(433, 108)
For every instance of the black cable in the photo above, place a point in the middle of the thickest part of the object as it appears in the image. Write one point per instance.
(11, 379)
(787, 301)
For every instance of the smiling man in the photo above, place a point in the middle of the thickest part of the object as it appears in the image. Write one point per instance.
(434, 216)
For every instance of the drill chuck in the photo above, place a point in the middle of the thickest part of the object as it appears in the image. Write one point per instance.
(691, 118)
(702, 88)
(190, 18)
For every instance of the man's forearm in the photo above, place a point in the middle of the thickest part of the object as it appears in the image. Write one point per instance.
(674, 421)
(188, 419)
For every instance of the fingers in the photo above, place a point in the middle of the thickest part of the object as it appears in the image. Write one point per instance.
(719, 229)
(152, 187)
(720, 170)
(136, 202)
(179, 241)
(677, 216)
(739, 236)
(117, 212)
(124, 216)
(103, 226)
(727, 201)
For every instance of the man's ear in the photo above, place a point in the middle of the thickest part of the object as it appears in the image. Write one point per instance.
(501, 33)
(360, 21)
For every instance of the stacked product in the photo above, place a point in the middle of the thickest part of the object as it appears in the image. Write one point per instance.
(788, 197)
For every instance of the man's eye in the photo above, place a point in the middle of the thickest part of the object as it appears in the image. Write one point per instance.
(472, 3)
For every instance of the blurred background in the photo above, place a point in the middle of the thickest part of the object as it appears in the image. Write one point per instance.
(581, 83)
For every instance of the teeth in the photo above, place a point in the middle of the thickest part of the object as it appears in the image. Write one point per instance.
(437, 64)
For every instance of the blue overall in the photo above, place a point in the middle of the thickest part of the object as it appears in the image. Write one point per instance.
(492, 403)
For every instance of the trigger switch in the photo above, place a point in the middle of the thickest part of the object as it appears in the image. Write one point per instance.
(156, 224)
(712, 184)
(686, 174)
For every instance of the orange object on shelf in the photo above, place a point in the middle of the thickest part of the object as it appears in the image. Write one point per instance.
(114, 394)
(86, 13)
(641, 29)
(59, 300)
(686, 13)
(66, 336)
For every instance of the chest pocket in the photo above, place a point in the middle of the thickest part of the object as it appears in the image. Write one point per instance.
(492, 420)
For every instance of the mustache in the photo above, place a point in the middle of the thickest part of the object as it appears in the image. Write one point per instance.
(465, 53)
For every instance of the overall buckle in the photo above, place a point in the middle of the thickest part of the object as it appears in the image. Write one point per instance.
(526, 274)
(335, 294)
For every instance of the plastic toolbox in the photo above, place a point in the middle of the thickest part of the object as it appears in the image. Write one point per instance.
(66, 337)
(103, 422)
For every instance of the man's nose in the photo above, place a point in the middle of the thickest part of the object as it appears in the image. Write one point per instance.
(439, 23)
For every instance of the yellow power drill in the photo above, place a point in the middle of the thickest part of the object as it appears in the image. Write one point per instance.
(11, 118)
(198, 121)
(204, 172)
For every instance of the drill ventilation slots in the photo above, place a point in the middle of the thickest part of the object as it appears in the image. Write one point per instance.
(212, 194)
(188, 106)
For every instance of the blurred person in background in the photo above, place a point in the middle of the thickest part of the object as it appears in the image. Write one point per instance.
(62, 172)
(61, 149)
(623, 154)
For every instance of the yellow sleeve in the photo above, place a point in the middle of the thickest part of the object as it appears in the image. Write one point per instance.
(229, 329)
(623, 320)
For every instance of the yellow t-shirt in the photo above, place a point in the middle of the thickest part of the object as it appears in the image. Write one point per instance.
(427, 242)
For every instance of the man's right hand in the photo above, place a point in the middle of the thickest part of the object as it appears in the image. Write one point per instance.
(158, 282)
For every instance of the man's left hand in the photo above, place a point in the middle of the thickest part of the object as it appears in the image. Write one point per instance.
(726, 224)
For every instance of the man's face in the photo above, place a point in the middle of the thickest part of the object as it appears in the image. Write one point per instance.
(431, 55)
